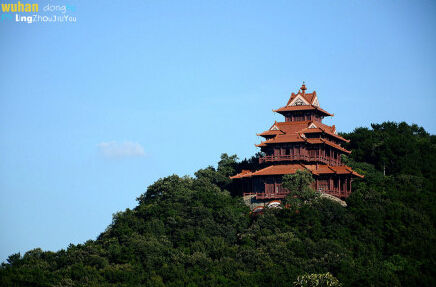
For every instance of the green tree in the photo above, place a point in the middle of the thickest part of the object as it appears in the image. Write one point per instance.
(298, 182)
(227, 164)
(300, 186)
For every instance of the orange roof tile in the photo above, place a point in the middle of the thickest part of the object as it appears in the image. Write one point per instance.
(292, 168)
(302, 108)
(331, 130)
(321, 130)
(320, 169)
(295, 108)
(243, 173)
(288, 130)
(286, 138)
(325, 127)
(332, 144)
(338, 137)
(273, 130)
(327, 142)
(292, 132)
(311, 130)
(270, 133)
(279, 169)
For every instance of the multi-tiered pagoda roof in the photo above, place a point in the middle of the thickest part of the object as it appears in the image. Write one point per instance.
(302, 141)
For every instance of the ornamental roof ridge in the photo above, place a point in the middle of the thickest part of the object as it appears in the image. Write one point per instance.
(332, 144)
(309, 97)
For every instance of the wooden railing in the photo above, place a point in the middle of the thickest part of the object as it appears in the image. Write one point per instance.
(263, 195)
(281, 195)
(326, 160)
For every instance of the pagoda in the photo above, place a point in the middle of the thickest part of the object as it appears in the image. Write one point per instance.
(301, 142)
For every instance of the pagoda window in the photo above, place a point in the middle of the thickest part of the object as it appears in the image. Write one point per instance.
(299, 118)
(308, 116)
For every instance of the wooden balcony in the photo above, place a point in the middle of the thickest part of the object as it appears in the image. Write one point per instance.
(322, 159)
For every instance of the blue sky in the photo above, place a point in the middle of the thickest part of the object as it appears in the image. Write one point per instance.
(93, 112)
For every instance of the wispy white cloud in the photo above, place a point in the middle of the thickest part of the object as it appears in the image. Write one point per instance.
(114, 149)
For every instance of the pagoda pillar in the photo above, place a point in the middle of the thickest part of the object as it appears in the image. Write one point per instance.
(319, 152)
(346, 186)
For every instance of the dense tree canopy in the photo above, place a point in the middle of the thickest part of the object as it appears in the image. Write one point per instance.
(190, 231)
(396, 148)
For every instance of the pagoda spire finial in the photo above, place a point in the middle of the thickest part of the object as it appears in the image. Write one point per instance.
(303, 88)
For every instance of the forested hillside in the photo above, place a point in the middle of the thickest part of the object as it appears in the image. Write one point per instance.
(196, 231)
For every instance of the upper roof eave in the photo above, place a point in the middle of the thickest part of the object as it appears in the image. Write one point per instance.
(302, 108)
(292, 168)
